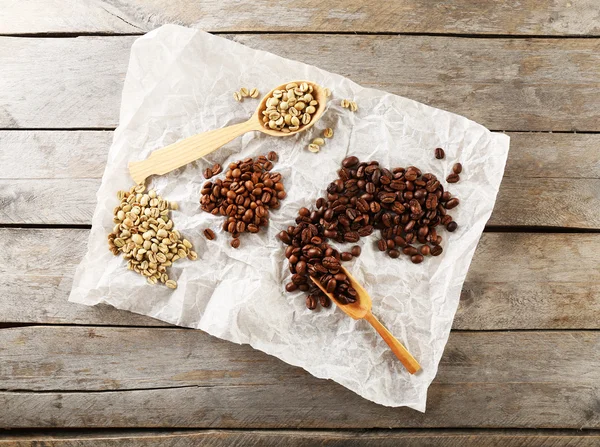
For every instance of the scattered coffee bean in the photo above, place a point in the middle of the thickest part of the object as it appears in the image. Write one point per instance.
(311, 302)
(416, 259)
(216, 169)
(235, 242)
(452, 226)
(208, 173)
(245, 196)
(457, 168)
(272, 156)
(209, 234)
(453, 178)
(439, 153)
(405, 205)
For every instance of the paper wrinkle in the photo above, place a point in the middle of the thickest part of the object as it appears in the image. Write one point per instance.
(179, 83)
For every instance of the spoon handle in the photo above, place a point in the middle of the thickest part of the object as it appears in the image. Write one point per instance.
(188, 150)
(397, 348)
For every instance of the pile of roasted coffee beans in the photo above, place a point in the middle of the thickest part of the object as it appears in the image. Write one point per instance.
(405, 205)
(245, 196)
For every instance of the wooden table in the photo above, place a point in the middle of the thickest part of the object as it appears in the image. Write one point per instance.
(525, 350)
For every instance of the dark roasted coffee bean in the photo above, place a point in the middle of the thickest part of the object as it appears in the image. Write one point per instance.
(416, 259)
(439, 153)
(355, 251)
(399, 241)
(209, 234)
(457, 168)
(452, 203)
(290, 287)
(351, 236)
(331, 285)
(311, 302)
(436, 250)
(453, 178)
(382, 245)
(284, 237)
(425, 250)
(410, 250)
(235, 242)
(324, 301)
(393, 253)
(273, 156)
(390, 244)
(452, 226)
(346, 256)
(350, 162)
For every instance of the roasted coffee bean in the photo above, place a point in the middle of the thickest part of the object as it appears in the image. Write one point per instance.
(416, 259)
(436, 250)
(457, 168)
(290, 287)
(273, 156)
(425, 250)
(351, 236)
(410, 250)
(324, 301)
(235, 242)
(350, 162)
(208, 173)
(284, 237)
(452, 226)
(439, 153)
(311, 302)
(209, 234)
(355, 250)
(346, 256)
(382, 245)
(452, 203)
(393, 253)
(216, 169)
(453, 178)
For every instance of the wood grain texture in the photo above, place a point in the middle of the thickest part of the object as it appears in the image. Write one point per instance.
(82, 154)
(516, 281)
(307, 438)
(525, 202)
(505, 84)
(57, 182)
(101, 377)
(529, 17)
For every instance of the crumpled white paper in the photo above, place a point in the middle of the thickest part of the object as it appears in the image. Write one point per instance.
(180, 82)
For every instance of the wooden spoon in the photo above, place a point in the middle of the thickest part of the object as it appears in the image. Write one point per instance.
(362, 309)
(192, 148)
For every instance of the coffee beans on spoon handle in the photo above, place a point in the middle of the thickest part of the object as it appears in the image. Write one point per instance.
(405, 205)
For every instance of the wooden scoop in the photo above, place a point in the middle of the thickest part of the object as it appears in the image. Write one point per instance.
(192, 148)
(362, 309)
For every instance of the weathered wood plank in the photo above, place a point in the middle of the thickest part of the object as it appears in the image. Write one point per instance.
(516, 281)
(184, 378)
(529, 17)
(57, 182)
(55, 154)
(505, 84)
(521, 202)
(306, 438)
(82, 154)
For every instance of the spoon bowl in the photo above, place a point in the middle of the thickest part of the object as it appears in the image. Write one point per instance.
(361, 309)
(190, 149)
(319, 95)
